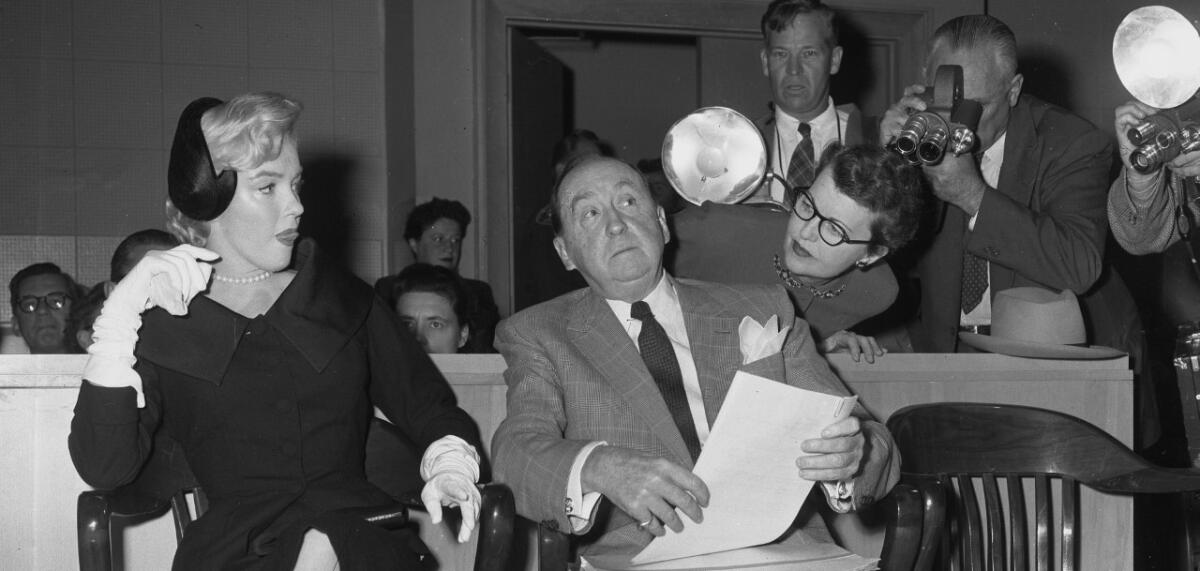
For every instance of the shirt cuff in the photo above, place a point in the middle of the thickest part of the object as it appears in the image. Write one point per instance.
(450, 454)
(578, 505)
(840, 495)
(1141, 188)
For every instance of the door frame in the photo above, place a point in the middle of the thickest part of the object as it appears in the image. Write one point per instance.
(495, 20)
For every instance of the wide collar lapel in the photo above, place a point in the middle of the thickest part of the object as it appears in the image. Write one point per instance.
(318, 313)
(713, 336)
(598, 334)
(323, 307)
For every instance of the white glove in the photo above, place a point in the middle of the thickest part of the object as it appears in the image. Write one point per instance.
(168, 279)
(450, 468)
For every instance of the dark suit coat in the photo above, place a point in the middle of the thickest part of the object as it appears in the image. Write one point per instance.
(1044, 225)
(271, 412)
(575, 376)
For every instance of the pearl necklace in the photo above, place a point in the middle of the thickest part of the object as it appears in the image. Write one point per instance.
(242, 281)
(792, 282)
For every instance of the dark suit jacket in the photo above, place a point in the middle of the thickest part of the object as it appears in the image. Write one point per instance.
(1044, 226)
(575, 376)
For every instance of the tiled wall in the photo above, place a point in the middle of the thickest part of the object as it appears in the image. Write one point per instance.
(90, 92)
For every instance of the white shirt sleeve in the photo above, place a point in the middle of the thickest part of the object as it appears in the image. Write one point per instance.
(578, 505)
(840, 495)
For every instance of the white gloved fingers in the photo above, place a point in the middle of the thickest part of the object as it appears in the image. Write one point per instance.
(176, 276)
(432, 498)
(470, 515)
(168, 281)
(452, 489)
(198, 253)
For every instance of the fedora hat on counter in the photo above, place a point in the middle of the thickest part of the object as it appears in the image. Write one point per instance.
(1038, 323)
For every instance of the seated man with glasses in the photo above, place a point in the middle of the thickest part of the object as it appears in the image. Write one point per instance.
(41, 296)
(863, 206)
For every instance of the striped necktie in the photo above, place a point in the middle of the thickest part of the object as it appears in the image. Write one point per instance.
(802, 169)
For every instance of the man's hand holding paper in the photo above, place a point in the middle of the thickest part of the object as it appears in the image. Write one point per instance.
(834, 456)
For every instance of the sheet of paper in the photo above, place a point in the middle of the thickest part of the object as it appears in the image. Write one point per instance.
(749, 465)
(796, 552)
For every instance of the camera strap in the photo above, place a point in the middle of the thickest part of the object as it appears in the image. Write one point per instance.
(1185, 218)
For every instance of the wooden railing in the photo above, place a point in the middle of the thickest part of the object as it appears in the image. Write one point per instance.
(37, 395)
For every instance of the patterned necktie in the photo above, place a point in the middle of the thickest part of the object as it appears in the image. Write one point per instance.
(974, 272)
(974, 280)
(802, 169)
(660, 360)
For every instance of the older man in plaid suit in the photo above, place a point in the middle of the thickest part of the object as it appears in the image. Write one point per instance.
(612, 388)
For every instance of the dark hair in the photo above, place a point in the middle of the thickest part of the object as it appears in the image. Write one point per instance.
(568, 147)
(83, 313)
(979, 31)
(555, 208)
(433, 279)
(883, 183)
(781, 13)
(39, 269)
(427, 214)
(121, 260)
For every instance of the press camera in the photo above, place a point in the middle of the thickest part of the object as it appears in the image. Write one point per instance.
(1165, 135)
(948, 122)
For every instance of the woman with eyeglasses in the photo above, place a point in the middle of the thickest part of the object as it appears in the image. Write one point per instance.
(266, 372)
(865, 204)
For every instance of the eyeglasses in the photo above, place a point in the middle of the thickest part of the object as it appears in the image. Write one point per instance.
(54, 300)
(830, 230)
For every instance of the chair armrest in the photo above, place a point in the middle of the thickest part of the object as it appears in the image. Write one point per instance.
(497, 521)
(554, 550)
(902, 537)
(94, 513)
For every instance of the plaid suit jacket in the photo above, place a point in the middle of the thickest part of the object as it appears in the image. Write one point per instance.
(574, 376)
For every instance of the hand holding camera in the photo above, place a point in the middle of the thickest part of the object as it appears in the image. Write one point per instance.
(1151, 138)
(931, 120)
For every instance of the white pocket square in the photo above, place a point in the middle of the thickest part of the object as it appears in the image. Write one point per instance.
(760, 340)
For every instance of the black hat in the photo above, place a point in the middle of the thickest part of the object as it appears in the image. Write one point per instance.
(193, 184)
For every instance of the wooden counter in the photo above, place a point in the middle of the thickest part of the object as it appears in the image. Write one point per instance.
(37, 393)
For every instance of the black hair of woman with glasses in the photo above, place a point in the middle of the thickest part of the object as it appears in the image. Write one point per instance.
(865, 204)
(41, 296)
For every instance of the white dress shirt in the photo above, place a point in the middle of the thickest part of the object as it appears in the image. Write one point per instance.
(989, 167)
(827, 128)
(664, 304)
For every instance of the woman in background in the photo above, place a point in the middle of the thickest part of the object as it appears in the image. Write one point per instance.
(270, 381)
(865, 204)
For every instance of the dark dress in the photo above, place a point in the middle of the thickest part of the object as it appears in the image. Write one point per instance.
(272, 415)
(736, 243)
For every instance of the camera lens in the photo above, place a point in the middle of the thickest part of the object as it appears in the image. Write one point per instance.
(933, 146)
(1147, 158)
(1142, 134)
(911, 134)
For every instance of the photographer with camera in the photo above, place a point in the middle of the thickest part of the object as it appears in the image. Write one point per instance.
(1025, 209)
(1144, 207)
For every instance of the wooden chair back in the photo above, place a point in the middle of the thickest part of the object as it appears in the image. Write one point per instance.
(999, 453)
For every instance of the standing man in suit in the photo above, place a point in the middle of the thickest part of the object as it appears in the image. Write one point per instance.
(613, 388)
(800, 54)
(1027, 210)
(737, 243)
